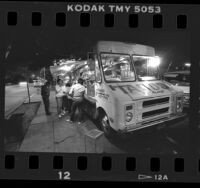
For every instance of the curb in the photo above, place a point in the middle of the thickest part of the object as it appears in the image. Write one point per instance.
(9, 112)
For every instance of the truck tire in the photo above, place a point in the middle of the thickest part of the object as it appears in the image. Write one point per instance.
(105, 125)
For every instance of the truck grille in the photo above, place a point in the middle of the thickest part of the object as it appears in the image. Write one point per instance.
(155, 102)
(155, 112)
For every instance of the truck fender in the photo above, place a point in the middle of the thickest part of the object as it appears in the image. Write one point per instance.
(98, 112)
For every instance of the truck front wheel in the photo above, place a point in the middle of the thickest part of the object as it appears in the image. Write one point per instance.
(105, 125)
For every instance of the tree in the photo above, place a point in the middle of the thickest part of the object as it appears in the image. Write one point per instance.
(45, 73)
(18, 74)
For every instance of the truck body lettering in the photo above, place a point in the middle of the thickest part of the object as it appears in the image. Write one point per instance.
(132, 89)
(163, 86)
(154, 86)
(147, 87)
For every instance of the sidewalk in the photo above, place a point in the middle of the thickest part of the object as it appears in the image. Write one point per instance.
(50, 134)
(9, 109)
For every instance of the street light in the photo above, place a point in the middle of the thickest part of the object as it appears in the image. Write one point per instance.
(187, 64)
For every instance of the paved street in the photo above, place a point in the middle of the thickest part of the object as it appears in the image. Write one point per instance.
(50, 134)
(169, 140)
(15, 95)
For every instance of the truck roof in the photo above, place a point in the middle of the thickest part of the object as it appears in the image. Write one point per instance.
(126, 48)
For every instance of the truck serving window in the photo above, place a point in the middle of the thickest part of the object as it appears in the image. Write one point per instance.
(146, 67)
(117, 67)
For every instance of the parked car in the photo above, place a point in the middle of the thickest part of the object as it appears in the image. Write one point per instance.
(22, 83)
(37, 83)
(180, 80)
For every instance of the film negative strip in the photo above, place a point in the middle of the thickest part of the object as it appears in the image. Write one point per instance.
(100, 91)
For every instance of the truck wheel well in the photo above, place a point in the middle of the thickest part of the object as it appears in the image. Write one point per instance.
(100, 111)
(108, 130)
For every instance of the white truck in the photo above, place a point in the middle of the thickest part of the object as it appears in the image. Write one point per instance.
(124, 91)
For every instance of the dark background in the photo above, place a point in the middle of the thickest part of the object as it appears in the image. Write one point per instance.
(34, 47)
(36, 50)
(66, 43)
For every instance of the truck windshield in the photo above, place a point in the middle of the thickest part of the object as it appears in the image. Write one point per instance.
(146, 67)
(117, 67)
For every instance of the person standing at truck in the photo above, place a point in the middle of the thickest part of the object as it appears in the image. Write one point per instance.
(45, 93)
(59, 89)
(77, 93)
(66, 101)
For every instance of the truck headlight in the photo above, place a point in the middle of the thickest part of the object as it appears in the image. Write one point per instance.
(129, 116)
(186, 98)
(178, 105)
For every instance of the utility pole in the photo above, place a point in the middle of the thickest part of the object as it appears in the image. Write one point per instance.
(27, 85)
(26, 74)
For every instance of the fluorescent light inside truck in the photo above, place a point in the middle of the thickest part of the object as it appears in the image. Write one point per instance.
(154, 61)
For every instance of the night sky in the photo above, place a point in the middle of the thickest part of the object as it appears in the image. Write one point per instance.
(37, 48)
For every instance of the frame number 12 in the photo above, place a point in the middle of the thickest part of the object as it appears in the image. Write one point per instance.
(64, 175)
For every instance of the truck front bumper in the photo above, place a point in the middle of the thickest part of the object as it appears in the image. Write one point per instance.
(155, 123)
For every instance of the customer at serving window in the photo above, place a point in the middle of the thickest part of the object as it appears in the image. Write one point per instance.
(66, 101)
(60, 89)
(77, 93)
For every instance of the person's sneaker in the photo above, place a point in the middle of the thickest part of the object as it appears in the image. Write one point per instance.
(63, 112)
(69, 120)
(48, 113)
(59, 115)
(80, 122)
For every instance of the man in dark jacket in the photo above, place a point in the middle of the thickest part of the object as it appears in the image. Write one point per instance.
(45, 92)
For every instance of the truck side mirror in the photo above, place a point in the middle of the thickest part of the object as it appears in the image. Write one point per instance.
(93, 64)
(97, 72)
(91, 60)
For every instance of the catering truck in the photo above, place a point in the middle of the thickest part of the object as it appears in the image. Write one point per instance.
(124, 91)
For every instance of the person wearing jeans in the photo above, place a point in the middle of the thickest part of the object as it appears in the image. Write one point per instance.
(59, 89)
(66, 101)
(77, 104)
(77, 92)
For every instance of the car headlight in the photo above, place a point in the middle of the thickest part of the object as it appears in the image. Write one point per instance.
(129, 116)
